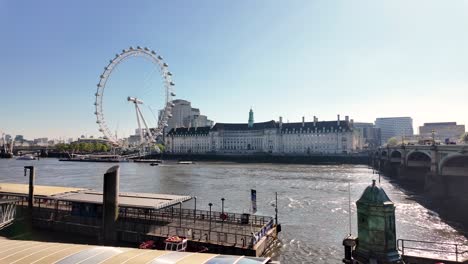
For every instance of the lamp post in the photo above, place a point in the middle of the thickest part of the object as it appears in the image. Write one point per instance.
(433, 137)
(209, 228)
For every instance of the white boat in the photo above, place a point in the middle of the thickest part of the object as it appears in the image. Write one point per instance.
(26, 157)
(186, 162)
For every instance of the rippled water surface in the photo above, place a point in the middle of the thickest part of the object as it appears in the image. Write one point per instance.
(313, 200)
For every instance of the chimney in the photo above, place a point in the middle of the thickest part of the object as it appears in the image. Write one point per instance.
(347, 119)
(338, 120)
(351, 122)
(315, 120)
(303, 121)
(280, 122)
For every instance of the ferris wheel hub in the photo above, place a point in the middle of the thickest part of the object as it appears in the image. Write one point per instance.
(134, 100)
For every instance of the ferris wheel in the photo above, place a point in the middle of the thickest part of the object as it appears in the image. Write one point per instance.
(148, 133)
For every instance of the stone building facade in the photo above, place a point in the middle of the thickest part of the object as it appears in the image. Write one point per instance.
(276, 138)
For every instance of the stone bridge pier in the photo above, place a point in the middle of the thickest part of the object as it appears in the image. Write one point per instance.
(440, 170)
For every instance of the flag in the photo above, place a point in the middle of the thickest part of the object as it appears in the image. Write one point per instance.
(253, 198)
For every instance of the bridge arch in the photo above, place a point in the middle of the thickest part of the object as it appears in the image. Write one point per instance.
(383, 153)
(396, 154)
(455, 165)
(418, 158)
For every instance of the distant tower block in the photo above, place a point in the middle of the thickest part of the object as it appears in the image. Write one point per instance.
(251, 118)
(376, 228)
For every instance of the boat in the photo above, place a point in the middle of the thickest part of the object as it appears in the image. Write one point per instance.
(185, 162)
(26, 157)
(95, 158)
(148, 160)
(154, 164)
(173, 243)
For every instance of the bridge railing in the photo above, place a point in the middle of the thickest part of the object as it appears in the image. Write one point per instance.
(440, 250)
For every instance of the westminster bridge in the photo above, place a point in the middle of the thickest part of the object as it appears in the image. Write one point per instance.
(442, 170)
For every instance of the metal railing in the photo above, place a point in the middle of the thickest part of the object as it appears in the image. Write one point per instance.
(199, 225)
(439, 249)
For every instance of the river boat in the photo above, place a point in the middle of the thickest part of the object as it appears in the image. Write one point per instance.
(95, 158)
(154, 164)
(185, 162)
(26, 157)
(148, 160)
(173, 243)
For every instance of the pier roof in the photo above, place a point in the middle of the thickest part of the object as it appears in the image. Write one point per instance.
(126, 199)
(136, 200)
(19, 251)
(41, 190)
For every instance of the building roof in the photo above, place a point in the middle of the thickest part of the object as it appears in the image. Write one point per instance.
(441, 124)
(245, 126)
(21, 251)
(189, 130)
(327, 125)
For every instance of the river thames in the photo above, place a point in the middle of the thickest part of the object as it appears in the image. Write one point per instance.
(313, 199)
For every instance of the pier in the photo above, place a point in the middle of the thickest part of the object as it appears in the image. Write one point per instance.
(143, 216)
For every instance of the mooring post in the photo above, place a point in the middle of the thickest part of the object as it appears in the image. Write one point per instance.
(110, 203)
(209, 228)
(31, 190)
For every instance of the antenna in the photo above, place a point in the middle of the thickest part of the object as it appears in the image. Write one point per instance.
(349, 207)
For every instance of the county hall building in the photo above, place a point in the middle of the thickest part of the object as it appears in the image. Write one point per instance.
(276, 138)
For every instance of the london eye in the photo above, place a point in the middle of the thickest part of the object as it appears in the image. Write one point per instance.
(148, 128)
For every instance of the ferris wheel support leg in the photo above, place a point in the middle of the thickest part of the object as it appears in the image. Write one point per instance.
(146, 125)
(139, 123)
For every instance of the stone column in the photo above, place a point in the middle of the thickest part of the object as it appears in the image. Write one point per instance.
(110, 205)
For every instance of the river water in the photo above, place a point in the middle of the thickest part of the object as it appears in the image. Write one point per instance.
(312, 199)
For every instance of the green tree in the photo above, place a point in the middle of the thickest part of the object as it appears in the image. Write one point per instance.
(392, 142)
(104, 148)
(160, 146)
(464, 138)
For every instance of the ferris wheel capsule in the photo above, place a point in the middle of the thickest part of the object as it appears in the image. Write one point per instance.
(171, 83)
(159, 57)
(146, 48)
(169, 73)
(138, 47)
(153, 52)
(173, 94)
(131, 48)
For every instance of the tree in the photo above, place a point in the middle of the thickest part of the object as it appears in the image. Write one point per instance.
(464, 138)
(160, 146)
(391, 142)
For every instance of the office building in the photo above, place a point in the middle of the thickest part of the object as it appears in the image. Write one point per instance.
(398, 127)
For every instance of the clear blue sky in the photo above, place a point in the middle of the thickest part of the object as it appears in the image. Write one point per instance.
(365, 59)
